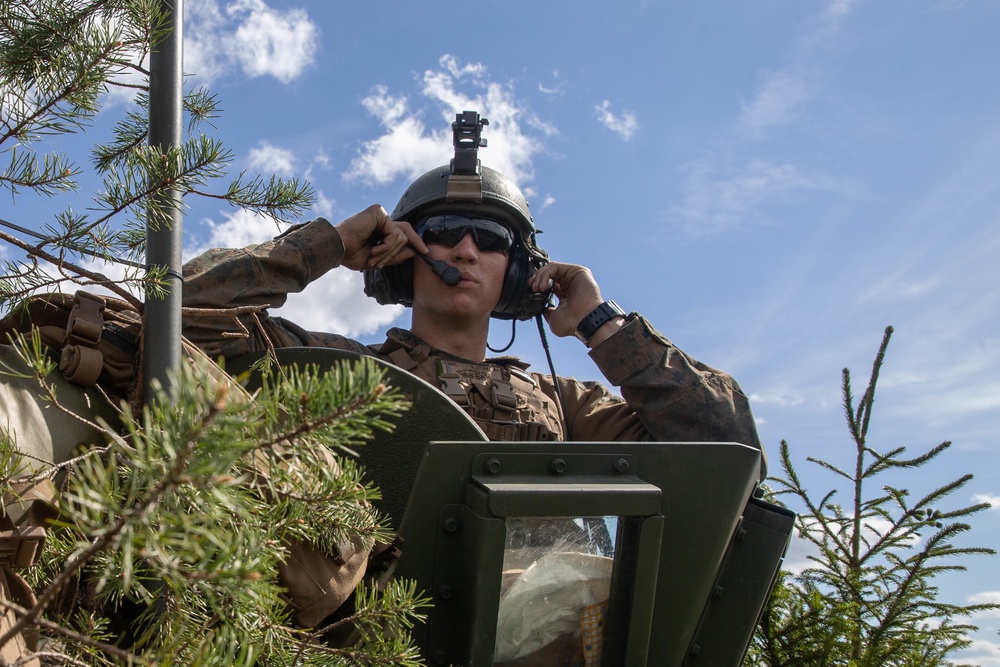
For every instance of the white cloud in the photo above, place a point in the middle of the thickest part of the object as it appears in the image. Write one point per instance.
(251, 36)
(982, 652)
(239, 228)
(337, 303)
(407, 148)
(994, 502)
(832, 18)
(324, 206)
(557, 88)
(985, 597)
(273, 42)
(320, 160)
(624, 125)
(272, 159)
(113, 272)
(800, 551)
(334, 303)
(954, 399)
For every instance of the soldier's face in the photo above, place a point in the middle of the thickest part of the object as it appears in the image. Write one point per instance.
(478, 292)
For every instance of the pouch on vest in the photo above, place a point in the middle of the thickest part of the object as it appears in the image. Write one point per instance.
(96, 338)
(26, 510)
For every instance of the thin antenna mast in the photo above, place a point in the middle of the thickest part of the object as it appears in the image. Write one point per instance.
(161, 351)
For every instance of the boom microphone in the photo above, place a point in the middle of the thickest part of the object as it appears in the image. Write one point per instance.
(446, 272)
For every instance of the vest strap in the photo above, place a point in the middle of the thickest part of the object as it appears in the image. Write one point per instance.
(81, 362)
(451, 383)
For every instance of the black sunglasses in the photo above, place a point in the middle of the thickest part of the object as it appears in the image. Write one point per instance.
(448, 230)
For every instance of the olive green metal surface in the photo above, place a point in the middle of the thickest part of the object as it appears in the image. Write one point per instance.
(688, 526)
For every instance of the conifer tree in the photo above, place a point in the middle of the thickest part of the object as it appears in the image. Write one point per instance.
(868, 598)
(58, 61)
(172, 525)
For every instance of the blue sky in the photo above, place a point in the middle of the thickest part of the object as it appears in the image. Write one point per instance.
(770, 183)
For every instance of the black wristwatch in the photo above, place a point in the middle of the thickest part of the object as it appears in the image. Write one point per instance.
(596, 318)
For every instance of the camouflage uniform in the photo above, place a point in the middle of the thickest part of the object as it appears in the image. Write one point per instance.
(667, 395)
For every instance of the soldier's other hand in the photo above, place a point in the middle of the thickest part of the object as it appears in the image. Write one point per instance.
(576, 290)
(372, 240)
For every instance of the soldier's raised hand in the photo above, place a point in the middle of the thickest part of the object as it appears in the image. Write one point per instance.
(372, 239)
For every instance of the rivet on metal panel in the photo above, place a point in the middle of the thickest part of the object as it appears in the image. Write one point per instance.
(621, 465)
(492, 466)
(558, 466)
(445, 591)
(450, 524)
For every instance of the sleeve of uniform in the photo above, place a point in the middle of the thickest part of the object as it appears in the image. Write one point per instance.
(264, 274)
(256, 277)
(668, 396)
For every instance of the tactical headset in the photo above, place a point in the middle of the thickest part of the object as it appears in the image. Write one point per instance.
(466, 188)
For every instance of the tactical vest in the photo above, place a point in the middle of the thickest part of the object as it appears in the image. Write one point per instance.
(503, 399)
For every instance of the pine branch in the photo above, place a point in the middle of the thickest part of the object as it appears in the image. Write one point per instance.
(280, 199)
(53, 177)
(79, 272)
(869, 398)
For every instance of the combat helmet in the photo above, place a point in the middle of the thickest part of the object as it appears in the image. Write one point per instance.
(466, 187)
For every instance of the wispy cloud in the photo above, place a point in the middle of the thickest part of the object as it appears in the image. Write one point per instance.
(624, 124)
(780, 399)
(784, 91)
(248, 36)
(556, 88)
(410, 146)
(716, 196)
(779, 97)
(717, 192)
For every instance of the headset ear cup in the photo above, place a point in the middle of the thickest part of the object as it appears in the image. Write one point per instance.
(391, 284)
(515, 285)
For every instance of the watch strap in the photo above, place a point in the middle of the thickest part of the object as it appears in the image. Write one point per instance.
(596, 318)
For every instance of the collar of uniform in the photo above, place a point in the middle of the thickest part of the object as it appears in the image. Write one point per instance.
(396, 339)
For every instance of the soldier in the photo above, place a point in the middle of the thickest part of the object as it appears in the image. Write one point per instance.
(460, 249)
